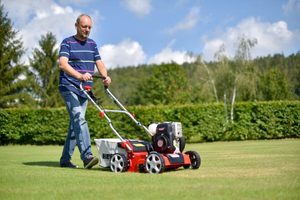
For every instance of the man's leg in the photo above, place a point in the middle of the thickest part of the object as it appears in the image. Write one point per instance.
(70, 143)
(84, 140)
(81, 129)
(76, 107)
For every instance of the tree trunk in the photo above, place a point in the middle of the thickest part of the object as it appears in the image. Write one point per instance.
(232, 104)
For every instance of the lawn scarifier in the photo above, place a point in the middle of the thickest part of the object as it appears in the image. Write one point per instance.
(164, 152)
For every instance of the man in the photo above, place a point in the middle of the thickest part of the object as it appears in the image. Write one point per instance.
(78, 56)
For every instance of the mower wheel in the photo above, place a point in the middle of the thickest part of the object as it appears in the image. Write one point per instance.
(195, 159)
(155, 163)
(118, 163)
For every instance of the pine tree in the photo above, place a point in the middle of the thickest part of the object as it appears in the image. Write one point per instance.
(45, 67)
(14, 85)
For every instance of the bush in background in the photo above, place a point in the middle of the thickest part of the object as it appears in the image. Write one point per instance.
(201, 123)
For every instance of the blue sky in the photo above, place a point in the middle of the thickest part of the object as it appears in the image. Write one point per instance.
(133, 32)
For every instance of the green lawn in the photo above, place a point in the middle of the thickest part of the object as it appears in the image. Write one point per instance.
(229, 170)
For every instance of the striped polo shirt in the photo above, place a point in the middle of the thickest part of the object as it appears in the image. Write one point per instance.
(82, 57)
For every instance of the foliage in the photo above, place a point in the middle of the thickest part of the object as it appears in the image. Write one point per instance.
(166, 84)
(274, 85)
(279, 77)
(258, 120)
(33, 126)
(46, 71)
(201, 82)
(15, 80)
(124, 83)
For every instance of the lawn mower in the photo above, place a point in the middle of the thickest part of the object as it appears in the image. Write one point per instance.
(164, 152)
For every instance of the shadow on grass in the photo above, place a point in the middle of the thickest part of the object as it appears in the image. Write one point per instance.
(43, 163)
(56, 164)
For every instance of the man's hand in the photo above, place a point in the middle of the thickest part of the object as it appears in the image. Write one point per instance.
(107, 81)
(86, 77)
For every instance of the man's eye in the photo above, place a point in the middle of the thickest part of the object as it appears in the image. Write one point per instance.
(86, 27)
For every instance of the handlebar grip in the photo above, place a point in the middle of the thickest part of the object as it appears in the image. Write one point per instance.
(99, 76)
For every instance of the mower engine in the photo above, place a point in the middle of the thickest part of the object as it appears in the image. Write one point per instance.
(167, 137)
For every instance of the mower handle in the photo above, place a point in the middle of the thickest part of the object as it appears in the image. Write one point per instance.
(89, 87)
(116, 101)
(99, 76)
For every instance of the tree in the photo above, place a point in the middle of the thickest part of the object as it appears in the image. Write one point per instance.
(244, 73)
(209, 80)
(274, 85)
(45, 69)
(237, 75)
(224, 73)
(166, 84)
(15, 80)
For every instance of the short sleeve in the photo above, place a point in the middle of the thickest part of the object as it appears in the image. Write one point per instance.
(64, 49)
(97, 54)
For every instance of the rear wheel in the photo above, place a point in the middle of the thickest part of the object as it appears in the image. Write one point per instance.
(155, 163)
(118, 163)
(195, 159)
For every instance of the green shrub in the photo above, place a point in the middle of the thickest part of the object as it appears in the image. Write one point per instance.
(201, 123)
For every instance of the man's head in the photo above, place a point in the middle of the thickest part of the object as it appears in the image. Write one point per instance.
(83, 26)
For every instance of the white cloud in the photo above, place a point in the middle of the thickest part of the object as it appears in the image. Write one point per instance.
(125, 53)
(138, 7)
(36, 18)
(43, 23)
(22, 12)
(271, 38)
(189, 22)
(130, 53)
(167, 55)
(211, 47)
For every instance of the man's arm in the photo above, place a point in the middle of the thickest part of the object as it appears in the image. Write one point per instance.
(103, 71)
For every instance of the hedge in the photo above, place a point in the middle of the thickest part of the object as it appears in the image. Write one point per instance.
(201, 123)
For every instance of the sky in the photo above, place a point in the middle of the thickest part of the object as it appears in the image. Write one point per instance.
(135, 32)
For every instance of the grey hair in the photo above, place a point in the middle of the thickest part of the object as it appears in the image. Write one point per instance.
(82, 15)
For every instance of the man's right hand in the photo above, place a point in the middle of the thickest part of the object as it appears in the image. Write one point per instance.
(86, 77)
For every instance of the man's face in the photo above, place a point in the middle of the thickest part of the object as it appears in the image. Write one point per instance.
(84, 27)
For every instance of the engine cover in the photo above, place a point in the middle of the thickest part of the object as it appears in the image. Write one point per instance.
(166, 138)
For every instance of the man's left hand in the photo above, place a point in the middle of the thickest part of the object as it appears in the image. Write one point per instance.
(107, 81)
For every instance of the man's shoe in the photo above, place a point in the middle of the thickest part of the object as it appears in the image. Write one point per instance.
(90, 162)
(68, 165)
